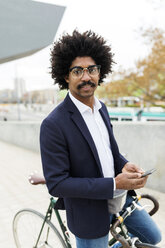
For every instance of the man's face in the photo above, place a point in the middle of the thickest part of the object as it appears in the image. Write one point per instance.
(83, 83)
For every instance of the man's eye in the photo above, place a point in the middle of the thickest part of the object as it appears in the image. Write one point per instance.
(77, 71)
(92, 70)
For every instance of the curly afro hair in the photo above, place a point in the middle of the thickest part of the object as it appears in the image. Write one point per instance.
(69, 47)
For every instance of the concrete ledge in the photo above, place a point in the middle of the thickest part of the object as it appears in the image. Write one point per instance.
(23, 134)
(143, 143)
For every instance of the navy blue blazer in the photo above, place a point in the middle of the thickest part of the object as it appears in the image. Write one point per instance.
(73, 171)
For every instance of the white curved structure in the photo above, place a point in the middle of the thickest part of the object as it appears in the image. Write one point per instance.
(26, 27)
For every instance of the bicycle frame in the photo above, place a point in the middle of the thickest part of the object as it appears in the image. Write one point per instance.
(121, 236)
(64, 229)
(123, 230)
(48, 217)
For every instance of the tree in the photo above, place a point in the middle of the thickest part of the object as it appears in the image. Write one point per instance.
(148, 81)
(150, 76)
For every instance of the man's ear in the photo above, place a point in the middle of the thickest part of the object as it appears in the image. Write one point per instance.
(67, 78)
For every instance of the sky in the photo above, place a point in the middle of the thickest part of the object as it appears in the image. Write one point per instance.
(118, 21)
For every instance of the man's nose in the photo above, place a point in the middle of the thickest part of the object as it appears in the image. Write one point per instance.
(85, 76)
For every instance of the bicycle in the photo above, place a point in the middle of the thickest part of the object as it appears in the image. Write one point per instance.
(44, 234)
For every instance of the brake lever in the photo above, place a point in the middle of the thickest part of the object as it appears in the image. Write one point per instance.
(140, 207)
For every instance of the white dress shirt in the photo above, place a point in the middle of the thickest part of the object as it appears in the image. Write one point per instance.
(99, 133)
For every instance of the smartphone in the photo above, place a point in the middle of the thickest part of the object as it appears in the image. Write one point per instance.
(148, 172)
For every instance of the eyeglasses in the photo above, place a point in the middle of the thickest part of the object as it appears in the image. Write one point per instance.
(78, 71)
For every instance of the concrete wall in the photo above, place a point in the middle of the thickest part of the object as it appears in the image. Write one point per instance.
(143, 143)
(23, 134)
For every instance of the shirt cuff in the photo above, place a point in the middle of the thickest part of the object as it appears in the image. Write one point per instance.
(114, 184)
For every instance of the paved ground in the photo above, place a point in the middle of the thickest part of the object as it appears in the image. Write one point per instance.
(16, 192)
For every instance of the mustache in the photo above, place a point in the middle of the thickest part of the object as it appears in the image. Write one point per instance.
(86, 83)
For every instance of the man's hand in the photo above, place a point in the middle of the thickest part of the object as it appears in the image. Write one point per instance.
(129, 167)
(130, 181)
(130, 178)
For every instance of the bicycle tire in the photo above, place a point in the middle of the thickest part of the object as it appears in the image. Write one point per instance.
(145, 245)
(27, 224)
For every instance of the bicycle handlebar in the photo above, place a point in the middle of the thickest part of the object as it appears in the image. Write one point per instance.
(127, 212)
(118, 236)
(155, 202)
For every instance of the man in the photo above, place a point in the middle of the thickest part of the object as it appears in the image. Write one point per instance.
(81, 161)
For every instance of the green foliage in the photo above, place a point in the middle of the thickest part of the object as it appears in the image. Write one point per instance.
(62, 94)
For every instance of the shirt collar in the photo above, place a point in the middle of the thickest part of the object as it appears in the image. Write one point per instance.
(82, 107)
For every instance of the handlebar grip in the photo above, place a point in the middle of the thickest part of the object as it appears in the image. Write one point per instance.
(155, 202)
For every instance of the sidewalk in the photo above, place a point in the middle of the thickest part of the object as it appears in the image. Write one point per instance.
(16, 192)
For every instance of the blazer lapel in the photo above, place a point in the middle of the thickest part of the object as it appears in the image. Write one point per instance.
(106, 119)
(81, 125)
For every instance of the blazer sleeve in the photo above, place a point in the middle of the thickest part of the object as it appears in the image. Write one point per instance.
(57, 167)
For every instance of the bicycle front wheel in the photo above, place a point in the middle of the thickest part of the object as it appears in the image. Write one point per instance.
(27, 225)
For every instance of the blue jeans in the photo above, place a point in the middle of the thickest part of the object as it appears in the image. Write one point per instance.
(139, 224)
